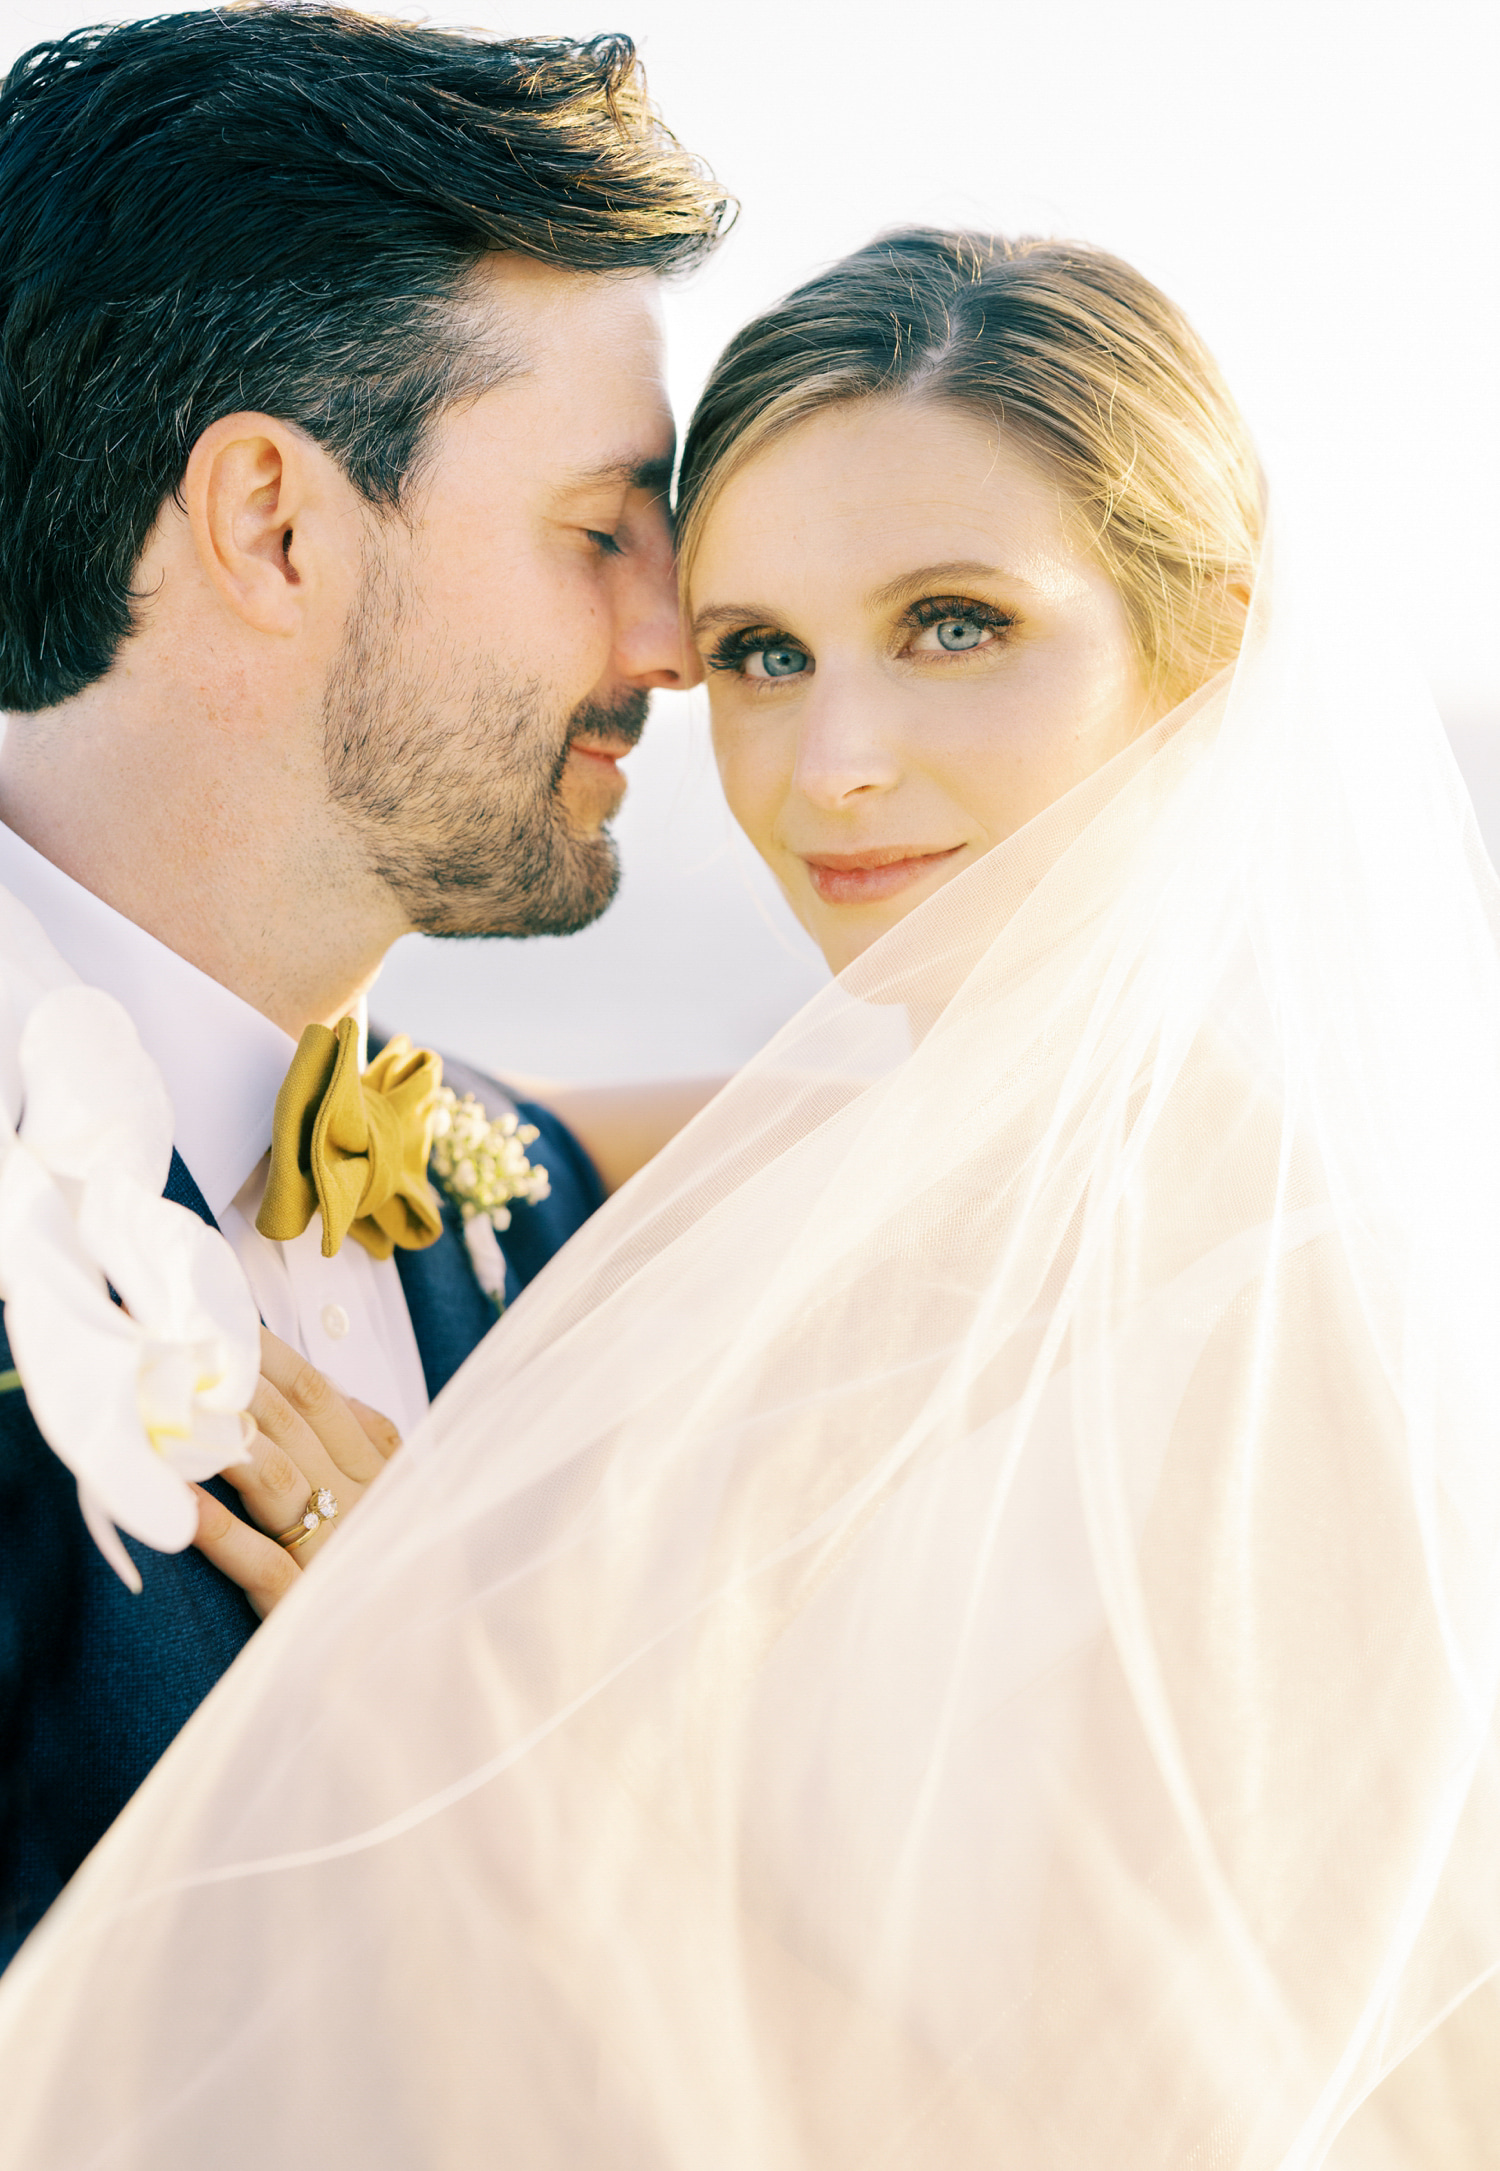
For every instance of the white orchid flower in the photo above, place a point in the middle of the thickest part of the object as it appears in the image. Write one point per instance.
(140, 1400)
(29, 969)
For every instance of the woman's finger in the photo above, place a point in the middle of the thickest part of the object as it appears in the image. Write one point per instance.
(264, 1570)
(378, 1430)
(286, 1428)
(318, 1404)
(309, 1443)
(276, 1489)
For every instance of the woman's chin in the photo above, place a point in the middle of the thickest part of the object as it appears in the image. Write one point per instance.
(844, 932)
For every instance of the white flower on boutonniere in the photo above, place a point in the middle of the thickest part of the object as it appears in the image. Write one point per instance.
(135, 1400)
(482, 1166)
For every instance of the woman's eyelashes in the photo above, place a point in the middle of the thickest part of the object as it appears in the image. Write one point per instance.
(955, 626)
(759, 652)
(937, 627)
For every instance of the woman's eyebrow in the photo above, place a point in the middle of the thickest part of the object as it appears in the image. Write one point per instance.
(907, 584)
(714, 615)
(895, 591)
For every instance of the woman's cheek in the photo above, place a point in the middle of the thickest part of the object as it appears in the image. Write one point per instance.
(755, 779)
(1003, 759)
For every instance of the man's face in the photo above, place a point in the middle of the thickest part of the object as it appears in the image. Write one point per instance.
(513, 619)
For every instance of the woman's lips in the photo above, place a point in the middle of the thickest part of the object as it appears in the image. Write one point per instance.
(863, 878)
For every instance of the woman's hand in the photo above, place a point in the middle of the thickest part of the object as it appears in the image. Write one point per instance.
(308, 1436)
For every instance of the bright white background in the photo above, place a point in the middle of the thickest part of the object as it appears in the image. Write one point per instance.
(1317, 182)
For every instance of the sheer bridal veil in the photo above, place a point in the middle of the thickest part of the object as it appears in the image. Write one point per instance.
(958, 1624)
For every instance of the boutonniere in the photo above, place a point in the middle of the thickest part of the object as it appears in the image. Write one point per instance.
(481, 1164)
(138, 1397)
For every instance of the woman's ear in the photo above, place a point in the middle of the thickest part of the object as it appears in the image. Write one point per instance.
(250, 483)
(1224, 600)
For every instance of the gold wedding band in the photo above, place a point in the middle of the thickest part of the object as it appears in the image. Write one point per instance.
(321, 1508)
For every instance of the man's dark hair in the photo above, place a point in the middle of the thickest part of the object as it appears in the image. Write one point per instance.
(275, 208)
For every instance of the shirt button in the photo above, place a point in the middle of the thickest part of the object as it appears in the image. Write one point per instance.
(335, 1322)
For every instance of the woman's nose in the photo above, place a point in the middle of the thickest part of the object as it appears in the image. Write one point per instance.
(843, 753)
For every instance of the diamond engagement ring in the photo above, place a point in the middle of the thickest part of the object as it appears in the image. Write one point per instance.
(321, 1508)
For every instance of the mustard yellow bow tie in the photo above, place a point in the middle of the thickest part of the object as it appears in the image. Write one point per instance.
(354, 1148)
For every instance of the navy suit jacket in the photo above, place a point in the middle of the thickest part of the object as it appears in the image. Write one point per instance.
(95, 1681)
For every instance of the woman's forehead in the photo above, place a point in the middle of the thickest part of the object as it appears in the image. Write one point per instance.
(880, 493)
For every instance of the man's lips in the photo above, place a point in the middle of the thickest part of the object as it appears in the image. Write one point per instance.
(608, 751)
(592, 782)
(860, 878)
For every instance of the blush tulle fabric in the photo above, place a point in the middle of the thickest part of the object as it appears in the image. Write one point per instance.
(958, 1624)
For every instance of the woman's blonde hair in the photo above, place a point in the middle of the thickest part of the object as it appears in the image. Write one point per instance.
(1060, 344)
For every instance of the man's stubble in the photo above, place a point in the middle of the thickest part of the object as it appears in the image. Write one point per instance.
(450, 774)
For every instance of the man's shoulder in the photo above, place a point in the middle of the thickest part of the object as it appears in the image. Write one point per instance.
(574, 1191)
(495, 1099)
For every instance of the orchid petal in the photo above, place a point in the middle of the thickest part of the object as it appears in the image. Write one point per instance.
(29, 969)
(79, 1357)
(218, 1441)
(93, 1097)
(180, 1282)
(134, 1400)
(108, 1539)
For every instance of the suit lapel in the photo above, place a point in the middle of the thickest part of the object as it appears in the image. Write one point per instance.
(450, 1313)
(182, 1190)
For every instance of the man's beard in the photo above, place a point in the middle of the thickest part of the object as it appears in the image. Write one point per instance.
(464, 822)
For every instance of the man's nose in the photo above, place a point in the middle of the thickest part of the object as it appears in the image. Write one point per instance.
(843, 752)
(652, 647)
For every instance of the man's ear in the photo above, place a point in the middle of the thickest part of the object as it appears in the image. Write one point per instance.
(255, 494)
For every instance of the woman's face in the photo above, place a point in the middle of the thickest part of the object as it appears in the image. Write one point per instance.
(910, 652)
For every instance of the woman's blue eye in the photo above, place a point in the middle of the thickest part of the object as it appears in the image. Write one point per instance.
(757, 653)
(782, 662)
(958, 627)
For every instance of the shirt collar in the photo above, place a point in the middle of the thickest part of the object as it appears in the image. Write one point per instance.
(222, 1061)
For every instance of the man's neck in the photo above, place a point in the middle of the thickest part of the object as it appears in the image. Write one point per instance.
(184, 826)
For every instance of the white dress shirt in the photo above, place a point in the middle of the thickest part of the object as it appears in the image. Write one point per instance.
(223, 1064)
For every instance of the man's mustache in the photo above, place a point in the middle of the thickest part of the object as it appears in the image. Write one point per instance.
(625, 719)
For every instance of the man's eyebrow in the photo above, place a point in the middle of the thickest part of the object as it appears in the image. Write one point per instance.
(897, 591)
(653, 475)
